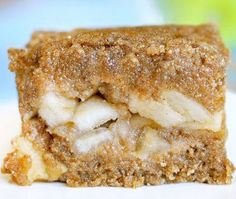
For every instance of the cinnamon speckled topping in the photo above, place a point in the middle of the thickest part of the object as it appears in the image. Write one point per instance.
(146, 60)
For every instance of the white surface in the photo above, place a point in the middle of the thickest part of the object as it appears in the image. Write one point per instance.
(10, 126)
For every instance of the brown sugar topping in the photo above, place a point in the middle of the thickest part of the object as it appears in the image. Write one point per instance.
(147, 60)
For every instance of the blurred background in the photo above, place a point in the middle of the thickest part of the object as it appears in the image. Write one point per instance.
(19, 18)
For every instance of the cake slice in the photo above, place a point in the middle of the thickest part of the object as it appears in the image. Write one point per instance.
(121, 107)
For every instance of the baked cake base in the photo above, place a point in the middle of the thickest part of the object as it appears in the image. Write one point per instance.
(201, 159)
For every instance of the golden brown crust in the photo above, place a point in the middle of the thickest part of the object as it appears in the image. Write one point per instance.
(146, 60)
(18, 167)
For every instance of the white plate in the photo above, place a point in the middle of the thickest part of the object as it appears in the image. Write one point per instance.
(10, 127)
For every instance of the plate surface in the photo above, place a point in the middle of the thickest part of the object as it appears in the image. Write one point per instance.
(10, 127)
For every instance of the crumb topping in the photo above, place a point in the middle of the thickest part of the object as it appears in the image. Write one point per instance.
(146, 60)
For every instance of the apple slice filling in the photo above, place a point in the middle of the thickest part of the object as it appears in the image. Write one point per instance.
(95, 121)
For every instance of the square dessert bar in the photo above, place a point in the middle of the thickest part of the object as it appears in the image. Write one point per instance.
(121, 107)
